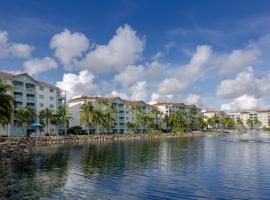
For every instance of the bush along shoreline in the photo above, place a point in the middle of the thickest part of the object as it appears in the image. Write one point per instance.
(12, 148)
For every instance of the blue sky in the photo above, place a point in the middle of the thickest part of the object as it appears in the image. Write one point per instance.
(210, 53)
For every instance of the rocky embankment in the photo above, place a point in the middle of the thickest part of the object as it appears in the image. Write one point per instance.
(17, 147)
(13, 148)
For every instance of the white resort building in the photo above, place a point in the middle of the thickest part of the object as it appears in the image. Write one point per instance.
(124, 110)
(28, 92)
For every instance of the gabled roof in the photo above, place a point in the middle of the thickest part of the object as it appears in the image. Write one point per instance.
(8, 75)
(130, 102)
(169, 103)
(83, 98)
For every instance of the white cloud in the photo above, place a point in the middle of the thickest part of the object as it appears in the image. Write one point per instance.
(170, 86)
(81, 84)
(236, 60)
(69, 46)
(114, 93)
(187, 74)
(193, 99)
(157, 56)
(155, 70)
(130, 75)
(8, 49)
(242, 103)
(35, 66)
(244, 83)
(123, 49)
(138, 90)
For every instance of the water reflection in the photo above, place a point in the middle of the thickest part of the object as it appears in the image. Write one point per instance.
(188, 168)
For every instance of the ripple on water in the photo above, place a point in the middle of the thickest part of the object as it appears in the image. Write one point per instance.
(190, 168)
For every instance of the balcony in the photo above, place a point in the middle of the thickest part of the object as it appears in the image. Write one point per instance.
(18, 88)
(31, 99)
(18, 97)
(30, 90)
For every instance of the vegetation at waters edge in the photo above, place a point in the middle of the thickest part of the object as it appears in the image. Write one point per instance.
(6, 105)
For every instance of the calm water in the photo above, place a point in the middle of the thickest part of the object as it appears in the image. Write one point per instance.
(235, 167)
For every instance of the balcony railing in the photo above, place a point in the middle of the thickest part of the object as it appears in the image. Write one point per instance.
(18, 88)
(31, 99)
(31, 90)
(18, 97)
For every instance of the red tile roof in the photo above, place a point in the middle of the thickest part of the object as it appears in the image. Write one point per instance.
(6, 75)
(129, 102)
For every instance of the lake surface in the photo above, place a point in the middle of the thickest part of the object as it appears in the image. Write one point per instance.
(231, 167)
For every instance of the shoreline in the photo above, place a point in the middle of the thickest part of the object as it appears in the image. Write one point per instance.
(12, 148)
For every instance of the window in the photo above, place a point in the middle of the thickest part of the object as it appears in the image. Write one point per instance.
(51, 106)
(51, 130)
(41, 88)
(51, 98)
(41, 96)
(51, 90)
(41, 105)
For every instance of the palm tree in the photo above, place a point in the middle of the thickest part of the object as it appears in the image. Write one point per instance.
(64, 117)
(157, 116)
(201, 123)
(109, 117)
(24, 117)
(87, 115)
(6, 104)
(211, 123)
(46, 115)
(257, 123)
(250, 123)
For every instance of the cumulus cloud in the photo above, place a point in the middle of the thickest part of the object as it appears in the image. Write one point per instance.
(244, 83)
(123, 49)
(130, 75)
(35, 66)
(155, 70)
(138, 90)
(13, 49)
(69, 46)
(236, 60)
(242, 103)
(188, 73)
(123, 95)
(171, 86)
(81, 84)
(193, 99)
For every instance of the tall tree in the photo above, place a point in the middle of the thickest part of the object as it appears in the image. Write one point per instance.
(87, 115)
(157, 117)
(64, 117)
(47, 116)
(250, 123)
(201, 123)
(24, 117)
(6, 104)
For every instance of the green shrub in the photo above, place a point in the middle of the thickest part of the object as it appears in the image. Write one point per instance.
(154, 131)
(178, 130)
(266, 129)
(77, 130)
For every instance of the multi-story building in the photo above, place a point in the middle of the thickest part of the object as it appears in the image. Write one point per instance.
(234, 116)
(124, 111)
(211, 113)
(168, 108)
(264, 117)
(31, 93)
